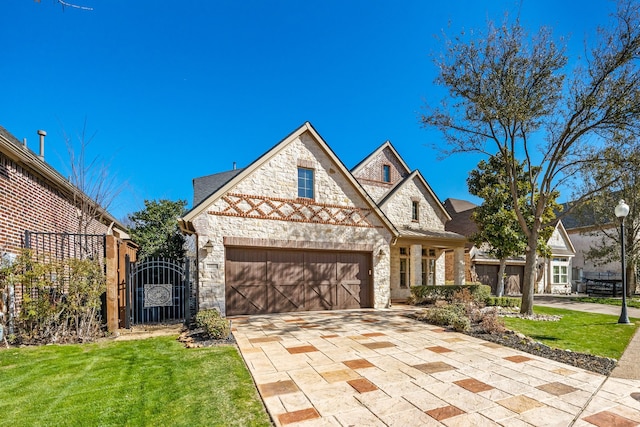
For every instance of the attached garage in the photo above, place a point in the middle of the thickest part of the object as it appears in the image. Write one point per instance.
(265, 280)
(488, 275)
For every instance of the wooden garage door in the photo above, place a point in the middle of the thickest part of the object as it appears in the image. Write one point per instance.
(488, 275)
(273, 281)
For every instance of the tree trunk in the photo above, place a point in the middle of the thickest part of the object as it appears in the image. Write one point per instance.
(526, 307)
(501, 270)
(631, 279)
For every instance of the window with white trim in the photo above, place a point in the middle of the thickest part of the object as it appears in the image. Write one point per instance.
(560, 271)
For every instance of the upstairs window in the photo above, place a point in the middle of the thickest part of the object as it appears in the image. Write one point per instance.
(386, 173)
(415, 211)
(305, 183)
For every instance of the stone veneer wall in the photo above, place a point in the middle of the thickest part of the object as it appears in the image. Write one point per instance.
(277, 178)
(398, 208)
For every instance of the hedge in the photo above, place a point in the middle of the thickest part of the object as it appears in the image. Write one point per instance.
(429, 294)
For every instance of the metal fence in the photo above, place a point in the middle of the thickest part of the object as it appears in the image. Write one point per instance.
(158, 290)
(60, 246)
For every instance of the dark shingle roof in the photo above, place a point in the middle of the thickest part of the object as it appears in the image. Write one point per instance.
(458, 206)
(205, 186)
(460, 212)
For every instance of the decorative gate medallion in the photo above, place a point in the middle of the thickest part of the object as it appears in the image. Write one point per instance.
(158, 294)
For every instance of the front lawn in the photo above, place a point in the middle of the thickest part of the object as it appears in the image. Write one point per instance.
(592, 333)
(128, 383)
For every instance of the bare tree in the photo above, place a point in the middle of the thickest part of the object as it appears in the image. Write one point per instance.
(513, 95)
(71, 5)
(95, 188)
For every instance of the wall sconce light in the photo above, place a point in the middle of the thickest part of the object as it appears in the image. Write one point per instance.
(208, 246)
(381, 252)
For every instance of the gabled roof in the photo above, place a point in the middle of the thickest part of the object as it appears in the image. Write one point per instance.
(415, 174)
(582, 219)
(460, 212)
(186, 221)
(386, 144)
(567, 240)
(15, 150)
(458, 205)
(205, 186)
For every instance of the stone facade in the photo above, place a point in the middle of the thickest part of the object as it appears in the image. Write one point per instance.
(398, 208)
(275, 181)
(260, 208)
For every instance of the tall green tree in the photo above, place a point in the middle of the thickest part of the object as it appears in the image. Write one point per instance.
(512, 94)
(618, 179)
(155, 229)
(498, 227)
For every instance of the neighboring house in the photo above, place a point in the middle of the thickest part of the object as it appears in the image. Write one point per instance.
(296, 230)
(585, 234)
(35, 197)
(554, 273)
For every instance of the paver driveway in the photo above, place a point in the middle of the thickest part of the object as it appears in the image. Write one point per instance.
(379, 367)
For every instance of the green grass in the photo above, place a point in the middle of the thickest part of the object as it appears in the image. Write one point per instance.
(127, 383)
(631, 302)
(597, 334)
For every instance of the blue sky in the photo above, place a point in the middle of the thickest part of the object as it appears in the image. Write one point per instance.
(176, 90)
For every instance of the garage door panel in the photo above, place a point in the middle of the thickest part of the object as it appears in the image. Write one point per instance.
(320, 267)
(488, 275)
(285, 267)
(286, 298)
(515, 278)
(246, 266)
(349, 296)
(246, 299)
(320, 296)
(353, 280)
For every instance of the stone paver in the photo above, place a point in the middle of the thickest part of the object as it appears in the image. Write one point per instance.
(380, 367)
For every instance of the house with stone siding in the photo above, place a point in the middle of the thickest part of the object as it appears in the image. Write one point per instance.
(298, 231)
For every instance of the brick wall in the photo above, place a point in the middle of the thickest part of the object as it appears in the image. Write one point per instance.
(448, 267)
(370, 175)
(28, 202)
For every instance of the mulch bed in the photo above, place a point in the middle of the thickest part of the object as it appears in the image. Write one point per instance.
(600, 365)
(195, 338)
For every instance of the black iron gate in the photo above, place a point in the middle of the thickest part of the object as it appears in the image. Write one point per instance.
(158, 290)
